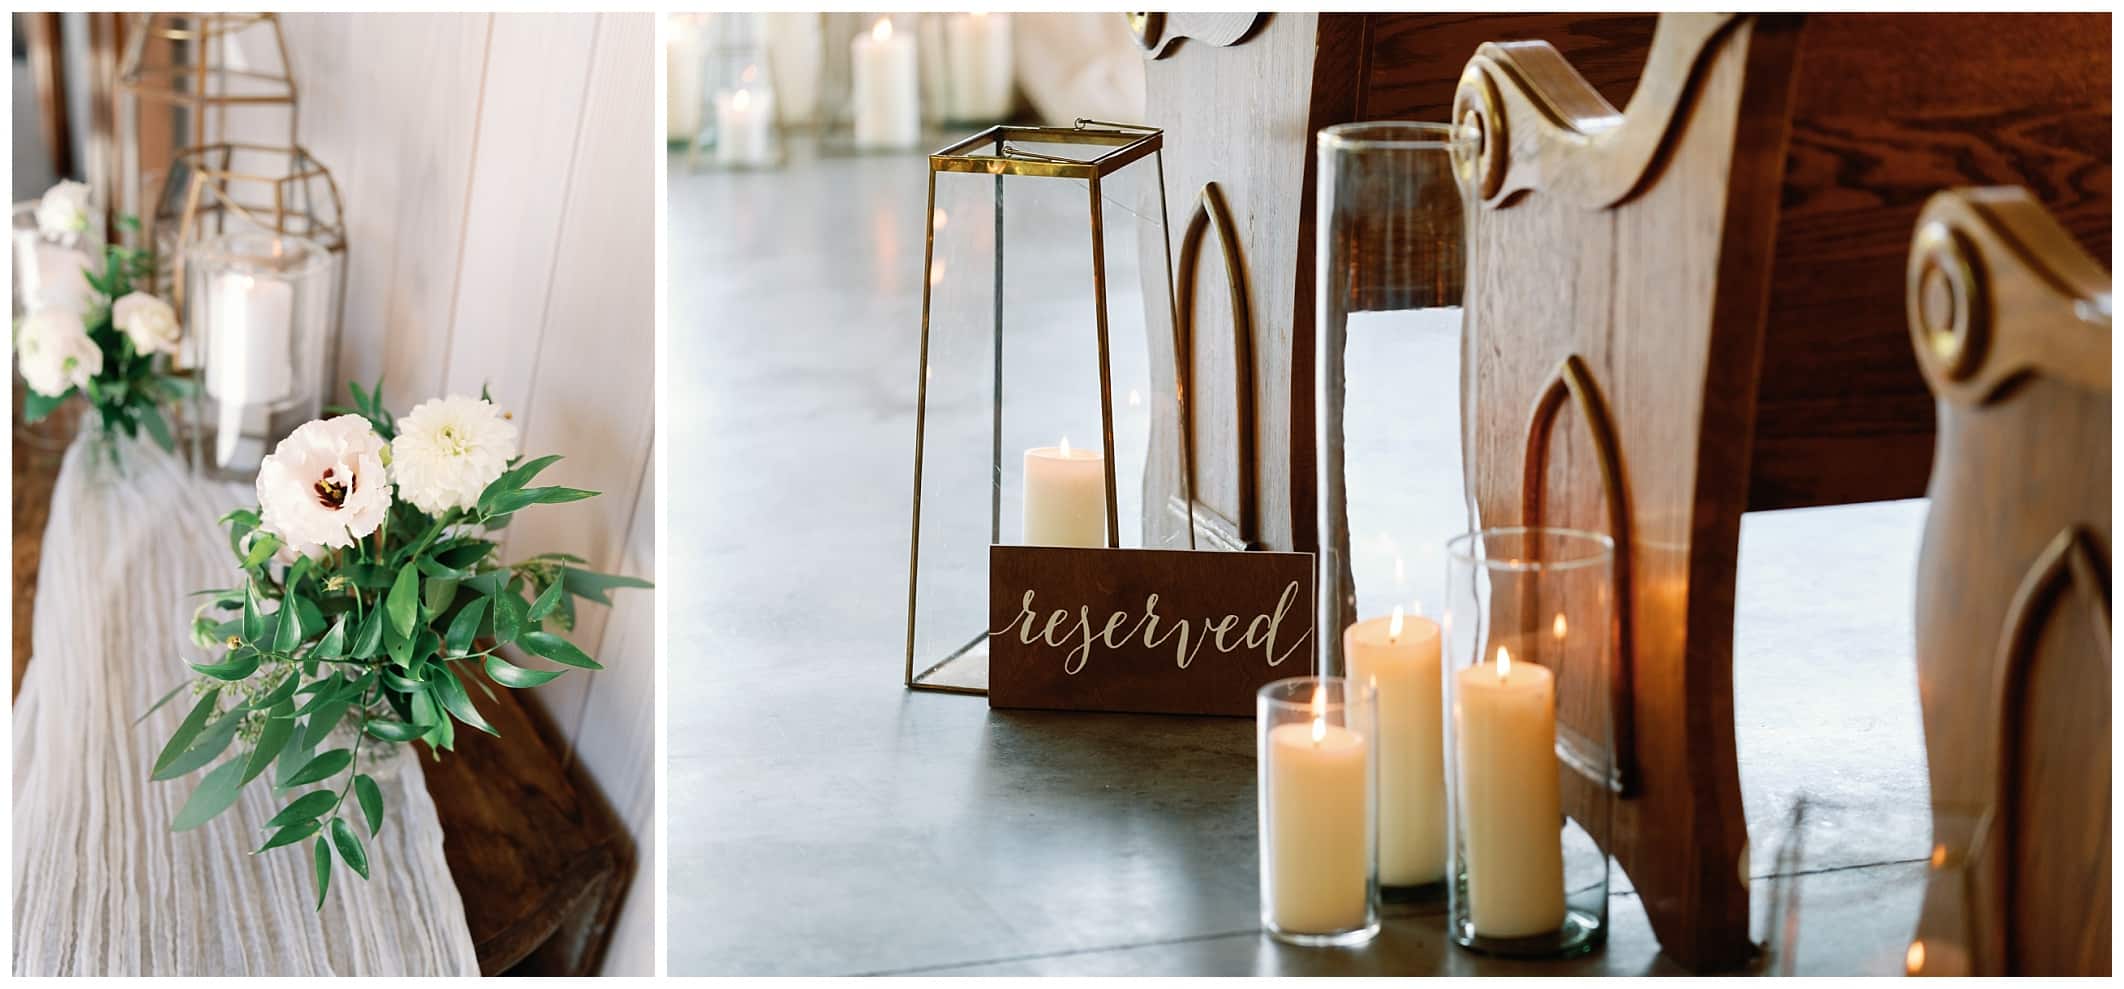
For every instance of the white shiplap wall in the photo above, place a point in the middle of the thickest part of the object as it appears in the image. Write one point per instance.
(498, 172)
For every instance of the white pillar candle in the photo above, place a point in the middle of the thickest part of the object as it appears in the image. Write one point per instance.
(685, 57)
(1511, 819)
(1398, 656)
(795, 47)
(887, 89)
(979, 68)
(744, 126)
(1065, 496)
(1319, 847)
(249, 360)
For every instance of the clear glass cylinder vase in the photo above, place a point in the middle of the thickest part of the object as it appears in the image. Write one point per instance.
(51, 267)
(1317, 758)
(1529, 625)
(1391, 268)
(258, 308)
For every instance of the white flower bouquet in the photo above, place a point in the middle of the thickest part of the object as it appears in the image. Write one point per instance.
(115, 352)
(373, 602)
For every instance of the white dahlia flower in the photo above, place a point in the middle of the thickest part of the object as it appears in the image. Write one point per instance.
(448, 450)
(63, 213)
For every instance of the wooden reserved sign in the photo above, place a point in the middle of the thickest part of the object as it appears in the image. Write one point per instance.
(1145, 630)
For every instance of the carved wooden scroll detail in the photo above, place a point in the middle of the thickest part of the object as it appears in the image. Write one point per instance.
(2010, 322)
(1157, 33)
(1238, 532)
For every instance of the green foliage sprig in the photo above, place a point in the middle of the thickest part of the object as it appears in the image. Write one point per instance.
(128, 395)
(388, 636)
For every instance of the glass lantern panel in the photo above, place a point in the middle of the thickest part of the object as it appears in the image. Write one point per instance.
(1014, 372)
(258, 317)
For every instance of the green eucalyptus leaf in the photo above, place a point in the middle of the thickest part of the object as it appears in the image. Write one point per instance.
(594, 586)
(334, 643)
(323, 720)
(290, 835)
(323, 857)
(187, 730)
(215, 793)
(254, 626)
(262, 549)
(368, 639)
(452, 695)
(391, 731)
(547, 599)
(512, 480)
(372, 806)
(287, 627)
(271, 739)
(557, 649)
(308, 807)
(403, 603)
(516, 676)
(436, 596)
(509, 616)
(326, 765)
(242, 665)
(348, 844)
(464, 628)
(157, 427)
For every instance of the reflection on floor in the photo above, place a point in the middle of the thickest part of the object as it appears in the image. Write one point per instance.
(825, 821)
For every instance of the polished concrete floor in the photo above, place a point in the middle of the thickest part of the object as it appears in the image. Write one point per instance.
(825, 821)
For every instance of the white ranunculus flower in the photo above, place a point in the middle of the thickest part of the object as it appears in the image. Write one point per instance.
(448, 450)
(325, 485)
(148, 320)
(53, 351)
(63, 213)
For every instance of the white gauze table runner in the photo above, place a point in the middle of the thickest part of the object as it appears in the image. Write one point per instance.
(102, 886)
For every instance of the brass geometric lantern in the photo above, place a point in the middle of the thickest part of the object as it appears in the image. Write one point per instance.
(190, 80)
(207, 124)
(220, 188)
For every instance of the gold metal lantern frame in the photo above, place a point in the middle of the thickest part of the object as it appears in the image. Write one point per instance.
(218, 188)
(194, 80)
(963, 361)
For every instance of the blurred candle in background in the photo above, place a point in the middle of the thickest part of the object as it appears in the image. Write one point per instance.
(744, 126)
(795, 49)
(685, 57)
(978, 67)
(887, 89)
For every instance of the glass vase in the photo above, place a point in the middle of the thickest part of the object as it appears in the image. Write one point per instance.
(1316, 755)
(1529, 624)
(258, 309)
(1391, 267)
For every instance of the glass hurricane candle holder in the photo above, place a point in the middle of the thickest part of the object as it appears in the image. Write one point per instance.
(258, 311)
(1317, 759)
(1529, 625)
(1391, 268)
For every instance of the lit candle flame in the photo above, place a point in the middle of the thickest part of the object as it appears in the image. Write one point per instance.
(938, 219)
(1504, 663)
(1394, 626)
(1065, 447)
(882, 30)
(1939, 856)
(1914, 959)
(936, 272)
(1559, 626)
(751, 73)
(1135, 398)
(1319, 715)
(741, 99)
